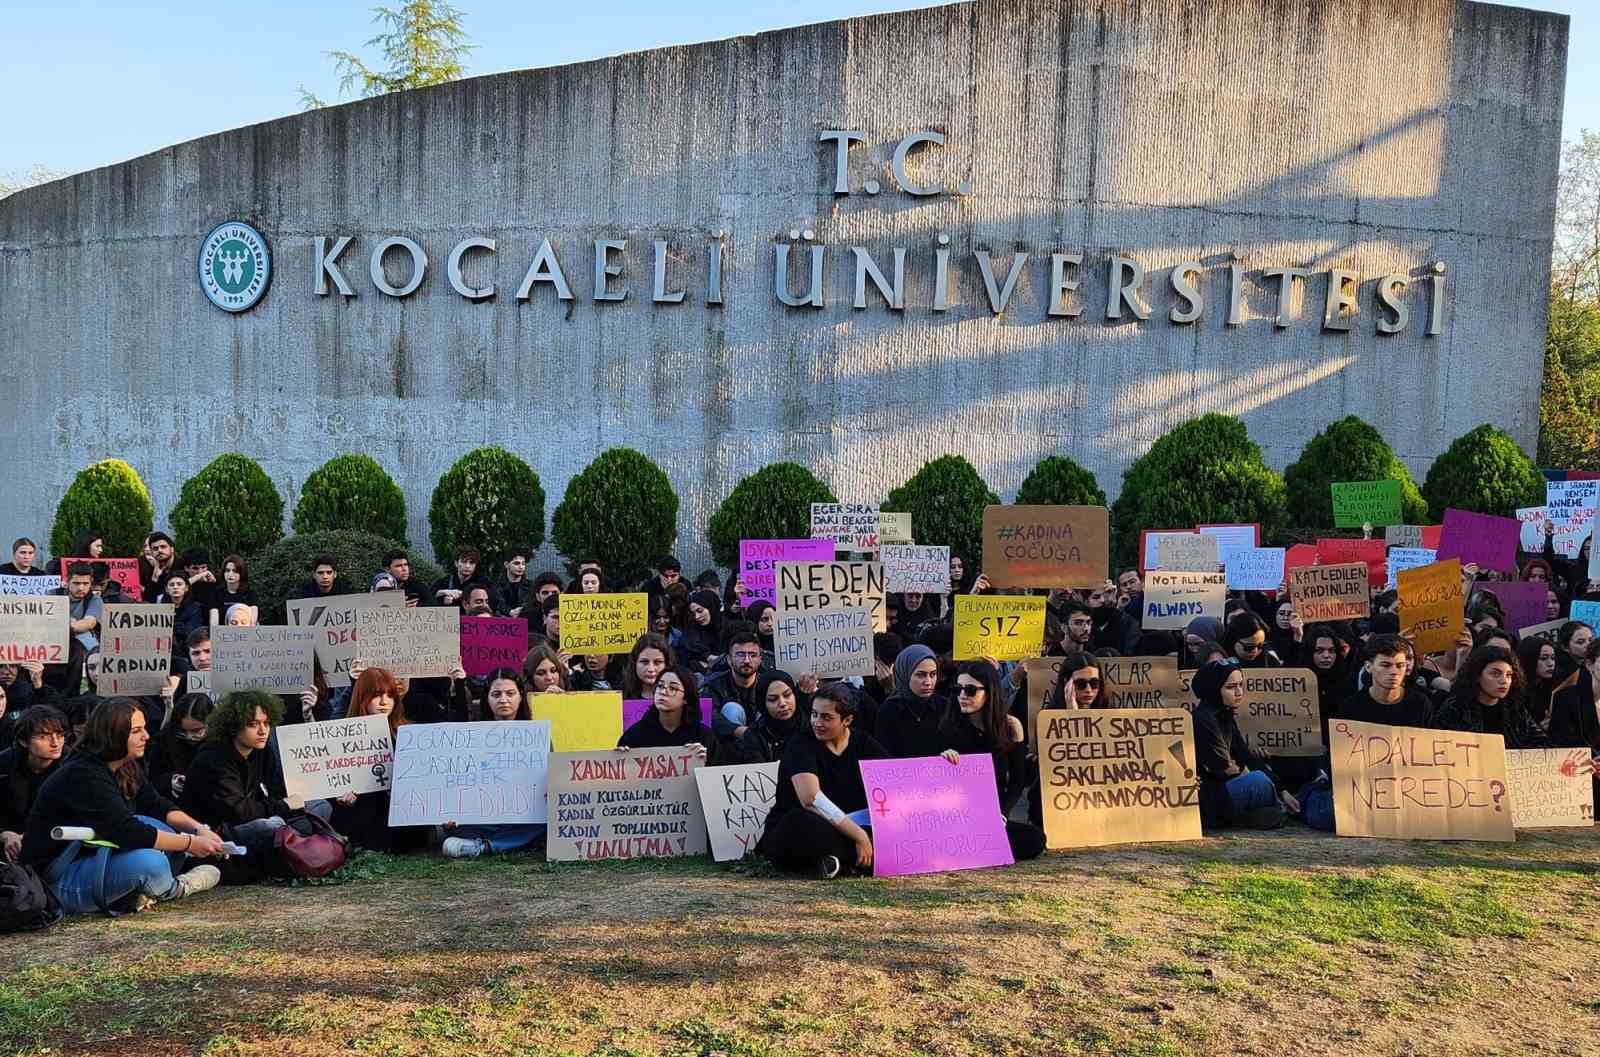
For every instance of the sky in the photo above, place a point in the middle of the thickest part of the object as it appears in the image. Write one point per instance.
(86, 83)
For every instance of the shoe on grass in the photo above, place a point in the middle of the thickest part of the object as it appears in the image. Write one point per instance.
(196, 879)
(828, 867)
(462, 848)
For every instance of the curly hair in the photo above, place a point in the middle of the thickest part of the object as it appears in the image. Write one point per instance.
(237, 710)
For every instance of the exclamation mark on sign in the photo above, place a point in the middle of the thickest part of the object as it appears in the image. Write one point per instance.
(1176, 749)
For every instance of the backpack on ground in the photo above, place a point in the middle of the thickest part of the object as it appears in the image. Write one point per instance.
(26, 903)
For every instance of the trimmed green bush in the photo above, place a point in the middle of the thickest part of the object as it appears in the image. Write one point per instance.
(1483, 471)
(351, 491)
(774, 503)
(230, 506)
(620, 511)
(1348, 450)
(110, 498)
(1058, 481)
(1207, 470)
(490, 499)
(945, 500)
(285, 565)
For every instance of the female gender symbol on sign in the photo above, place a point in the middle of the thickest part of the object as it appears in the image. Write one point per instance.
(881, 798)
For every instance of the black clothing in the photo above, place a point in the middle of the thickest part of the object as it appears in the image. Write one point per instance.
(223, 789)
(82, 791)
(19, 787)
(185, 619)
(168, 757)
(721, 689)
(1221, 753)
(1463, 711)
(10, 569)
(908, 725)
(839, 775)
(433, 700)
(765, 738)
(648, 733)
(1113, 629)
(225, 598)
(1413, 710)
(308, 589)
(1573, 721)
(1011, 774)
(508, 596)
(415, 592)
(453, 582)
(366, 823)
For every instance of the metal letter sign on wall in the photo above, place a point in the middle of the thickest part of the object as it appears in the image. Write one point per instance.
(235, 266)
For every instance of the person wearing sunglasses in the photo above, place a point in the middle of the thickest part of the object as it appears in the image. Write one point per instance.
(1246, 638)
(1078, 686)
(978, 721)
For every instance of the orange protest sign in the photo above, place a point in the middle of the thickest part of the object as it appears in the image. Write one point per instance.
(1431, 605)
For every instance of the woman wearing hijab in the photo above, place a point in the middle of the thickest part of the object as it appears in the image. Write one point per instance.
(1237, 787)
(762, 614)
(978, 721)
(782, 716)
(1538, 660)
(1197, 635)
(701, 639)
(908, 722)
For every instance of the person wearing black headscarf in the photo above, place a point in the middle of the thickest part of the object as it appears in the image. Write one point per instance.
(784, 711)
(701, 639)
(908, 722)
(762, 614)
(1237, 787)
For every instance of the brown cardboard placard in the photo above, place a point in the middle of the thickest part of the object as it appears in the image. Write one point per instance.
(1430, 606)
(1331, 592)
(1118, 776)
(1046, 546)
(1282, 712)
(1141, 682)
(135, 649)
(1418, 784)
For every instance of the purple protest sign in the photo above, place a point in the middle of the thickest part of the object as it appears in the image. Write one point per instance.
(488, 643)
(1489, 541)
(929, 815)
(1523, 603)
(756, 558)
(634, 708)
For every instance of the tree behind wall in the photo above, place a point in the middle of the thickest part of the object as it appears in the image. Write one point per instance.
(229, 506)
(108, 498)
(945, 500)
(620, 511)
(772, 503)
(425, 45)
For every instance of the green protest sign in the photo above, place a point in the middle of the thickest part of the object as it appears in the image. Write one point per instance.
(1357, 503)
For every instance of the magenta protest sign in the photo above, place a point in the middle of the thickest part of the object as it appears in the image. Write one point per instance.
(756, 558)
(1489, 541)
(488, 643)
(634, 708)
(1523, 603)
(930, 815)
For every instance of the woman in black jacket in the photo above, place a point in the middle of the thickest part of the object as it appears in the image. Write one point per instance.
(978, 721)
(1538, 660)
(1575, 713)
(1488, 696)
(908, 722)
(1247, 641)
(40, 740)
(174, 748)
(782, 716)
(226, 785)
(1237, 787)
(674, 719)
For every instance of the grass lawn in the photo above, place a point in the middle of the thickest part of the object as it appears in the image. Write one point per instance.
(1268, 944)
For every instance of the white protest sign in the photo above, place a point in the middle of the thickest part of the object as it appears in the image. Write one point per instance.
(1401, 558)
(831, 643)
(28, 585)
(1570, 506)
(1255, 568)
(34, 629)
(923, 569)
(276, 659)
(736, 801)
(1531, 520)
(634, 805)
(1231, 538)
(339, 756)
(851, 526)
(472, 773)
(336, 619)
(411, 643)
(1550, 787)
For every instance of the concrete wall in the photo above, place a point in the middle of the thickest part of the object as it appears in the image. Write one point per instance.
(1378, 136)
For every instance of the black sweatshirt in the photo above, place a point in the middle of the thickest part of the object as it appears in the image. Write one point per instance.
(223, 788)
(908, 725)
(1011, 774)
(82, 791)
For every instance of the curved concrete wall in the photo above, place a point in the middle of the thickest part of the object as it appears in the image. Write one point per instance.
(1376, 136)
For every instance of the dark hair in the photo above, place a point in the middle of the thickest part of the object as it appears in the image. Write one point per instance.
(1592, 652)
(37, 720)
(996, 716)
(1388, 645)
(80, 569)
(1073, 662)
(328, 560)
(513, 676)
(549, 605)
(709, 579)
(691, 693)
(886, 646)
(1485, 636)
(80, 549)
(537, 656)
(1383, 624)
(544, 579)
(105, 737)
(1067, 607)
(468, 553)
(844, 702)
(741, 633)
(1385, 599)
(196, 637)
(518, 552)
(157, 537)
(1324, 630)
(237, 709)
(244, 570)
(1242, 625)
(668, 564)
(1528, 651)
(1569, 629)
(190, 706)
(24, 541)
(631, 686)
(195, 556)
(398, 554)
(1465, 685)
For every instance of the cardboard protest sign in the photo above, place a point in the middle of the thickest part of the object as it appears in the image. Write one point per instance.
(125, 571)
(1172, 599)
(923, 569)
(1489, 541)
(135, 649)
(602, 623)
(1118, 777)
(830, 643)
(580, 721)
(1594, 561)
(1570, 506)
(1344, 551)
(894, 527)
(1187, 552)
(276, 659)
(1187, 700)
(1231, 538)
(196, 681)
(1150, 546)
(1005, 627)
(609, 805)
(1522, 603)
(411, 643)
(1530, 533)
(1331, 592)
(929, 815)
(1255, 569)
(339, 756)
(804, 586)
(1418, 536)
(1282, 712)
(1550, 787)
(1418, 784)
(1046, 546)
(337, 620)
(1548, 631)
(735, 801)
(472, 773)
(1586, 612)
(28, 585)
(1042, 675)
(1140, 682)
(1402, 558)
(851, 526)
(757, 559)
(34, 629)
(1358, 503)
(488, 643)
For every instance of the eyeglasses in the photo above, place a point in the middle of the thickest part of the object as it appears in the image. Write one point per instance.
(1251, 647)
(968, 689)
(1086, 684)
(746, 656)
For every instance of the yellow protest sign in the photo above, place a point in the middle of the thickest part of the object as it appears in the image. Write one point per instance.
(580, 722)
(1418, 784)
(1005, 627)
(1430, 605)
(1118, 776)
(601, 624)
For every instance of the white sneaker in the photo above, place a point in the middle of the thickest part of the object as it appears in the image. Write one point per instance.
(196, 879)
(461, 848)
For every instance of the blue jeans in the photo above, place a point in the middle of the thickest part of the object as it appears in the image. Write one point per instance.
(143, 870)
(1316, 805)
(502, 838)
(1251, 791)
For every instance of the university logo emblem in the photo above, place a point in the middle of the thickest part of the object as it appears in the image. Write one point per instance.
(235, 266)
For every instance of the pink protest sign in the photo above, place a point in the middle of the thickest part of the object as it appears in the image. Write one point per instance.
(1489, 541)
(488, 643)
(929, 815)
(125, 571)
(756, 558)
(1339, 551)
(634, 708)
(1523, 603)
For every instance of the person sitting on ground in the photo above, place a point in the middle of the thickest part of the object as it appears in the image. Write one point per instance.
(325, 581)
(1490, 697)
(365, 818)
(544, 672)
(908, 722)
(1077, 685)
(173, 749)
(38, 745)
(1110, 626)
(781, 717)
(813, 823)
(451, 590)
(674, 718)
(507, 700)
(597, 671)
(701, 640)
(102, 787)
(1572, 642)
(1389, 696)
(649, 658)
(1575, 713)
(978, 721)
(1237, 786)
(1246, 638)
(734, 692)
(1538, 660)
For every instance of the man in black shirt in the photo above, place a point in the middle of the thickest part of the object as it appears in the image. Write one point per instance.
(324, 580)
(398, 564)
(23, 551)
(1389, 697)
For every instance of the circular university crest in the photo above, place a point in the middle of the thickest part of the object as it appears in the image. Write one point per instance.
(235, 266)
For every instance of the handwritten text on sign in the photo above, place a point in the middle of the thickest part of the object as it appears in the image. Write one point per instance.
(610, 805)
(1172, 599)
(1255, 569)
(1331, 592)
(336, 618)
(488, 643)
(829, 643)
(1430, 606)
(1358, 503)
(1118, 776)
(1046, 546)
(1418, 784)
(1550, 787)
(929, 815)
(412, 643)
(279, 659)
(34, 629)
(851, 526)
(135, 649)
(1282, 713)
(27, 585)
(336, 757)
(920, 569)
(824, 585)
(1195, 552)
(1140, 682)
(483, 773)
(125, 571)
(601, 623)
(757, 559)
(1005, 627)
(736, 801)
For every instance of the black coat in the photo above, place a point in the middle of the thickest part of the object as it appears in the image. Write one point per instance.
(82, 791)
(225, 789)
(908, 726)
(19, 788)
(1222, 753)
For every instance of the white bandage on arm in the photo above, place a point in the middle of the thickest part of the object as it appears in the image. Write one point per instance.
(828, 809)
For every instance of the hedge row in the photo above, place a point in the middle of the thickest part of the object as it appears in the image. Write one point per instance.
(622, 511)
